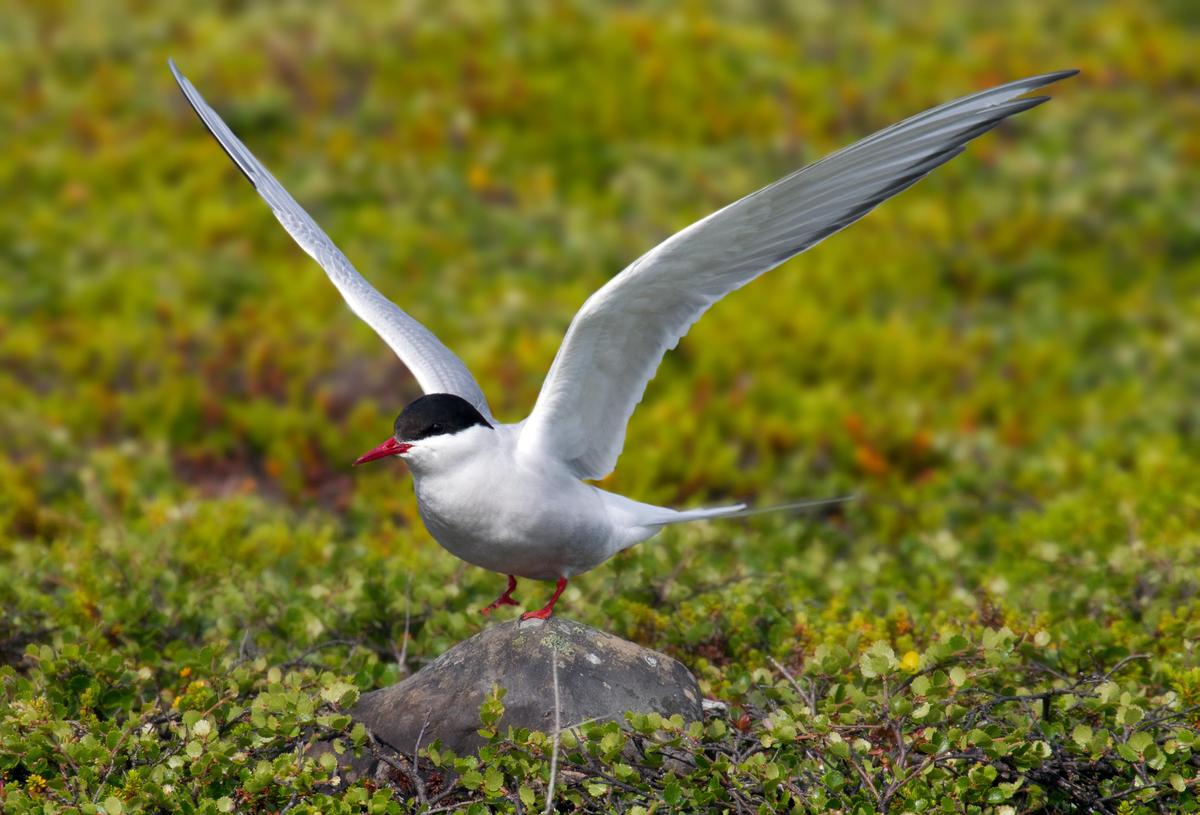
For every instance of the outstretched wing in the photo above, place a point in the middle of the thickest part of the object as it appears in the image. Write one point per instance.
(619, 337)
(435, 366)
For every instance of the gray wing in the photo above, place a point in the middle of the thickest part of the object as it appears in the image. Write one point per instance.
(619, 337)
(436, 368)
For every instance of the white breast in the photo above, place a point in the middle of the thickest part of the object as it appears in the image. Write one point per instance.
(513, 517)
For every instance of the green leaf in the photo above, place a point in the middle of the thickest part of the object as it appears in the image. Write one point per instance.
(840, 749)
(1140, 741)
(1131, 715)
(866, 665)
(611, 743)
(526, 796)
(997, 795)
(340, 693)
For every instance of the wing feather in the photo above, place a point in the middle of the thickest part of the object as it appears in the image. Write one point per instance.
(435, 367)
(617, 340)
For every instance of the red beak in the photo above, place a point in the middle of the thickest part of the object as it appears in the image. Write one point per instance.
(391, 447)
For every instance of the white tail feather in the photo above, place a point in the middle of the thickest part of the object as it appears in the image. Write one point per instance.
(742, 511)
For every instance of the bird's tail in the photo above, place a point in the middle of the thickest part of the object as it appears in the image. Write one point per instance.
(740, 511)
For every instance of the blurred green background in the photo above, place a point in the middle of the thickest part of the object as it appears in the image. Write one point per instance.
(1002, 362)
(1014, 338)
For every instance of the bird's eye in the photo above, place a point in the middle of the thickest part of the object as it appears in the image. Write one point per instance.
(435, 428)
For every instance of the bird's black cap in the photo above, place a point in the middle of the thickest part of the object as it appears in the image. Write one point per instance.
(436, 414)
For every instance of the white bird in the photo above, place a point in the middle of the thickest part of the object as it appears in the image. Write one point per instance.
(512, 498)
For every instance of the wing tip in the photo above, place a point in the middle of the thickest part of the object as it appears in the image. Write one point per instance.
(1057, 76)
(1021, 105)
(1042, 80)
(189, 91)
(180, 79)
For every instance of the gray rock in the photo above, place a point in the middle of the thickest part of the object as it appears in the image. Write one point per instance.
(599, 677)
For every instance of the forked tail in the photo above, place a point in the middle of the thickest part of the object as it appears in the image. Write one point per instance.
(739, 511)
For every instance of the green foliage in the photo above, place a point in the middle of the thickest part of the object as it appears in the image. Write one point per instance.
(1001, 363)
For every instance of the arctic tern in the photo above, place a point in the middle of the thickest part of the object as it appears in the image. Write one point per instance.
(512, 498)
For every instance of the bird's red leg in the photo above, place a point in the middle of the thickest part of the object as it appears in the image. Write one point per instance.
(504, 599)
(544, 613)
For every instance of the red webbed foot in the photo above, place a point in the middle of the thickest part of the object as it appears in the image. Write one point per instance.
(504, 599)
(545, 612)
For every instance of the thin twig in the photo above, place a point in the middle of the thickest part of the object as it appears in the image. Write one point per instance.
(379, 750)
(112, 762)
(420, 738)
(1116, 668)
(866, 779)
(450, 807)
(300, 660)
(660, 591)
(812, 704)
(557, 726)
(299, 764)
(402, 657)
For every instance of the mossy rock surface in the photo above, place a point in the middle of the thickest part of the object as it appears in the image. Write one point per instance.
(600, 676)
